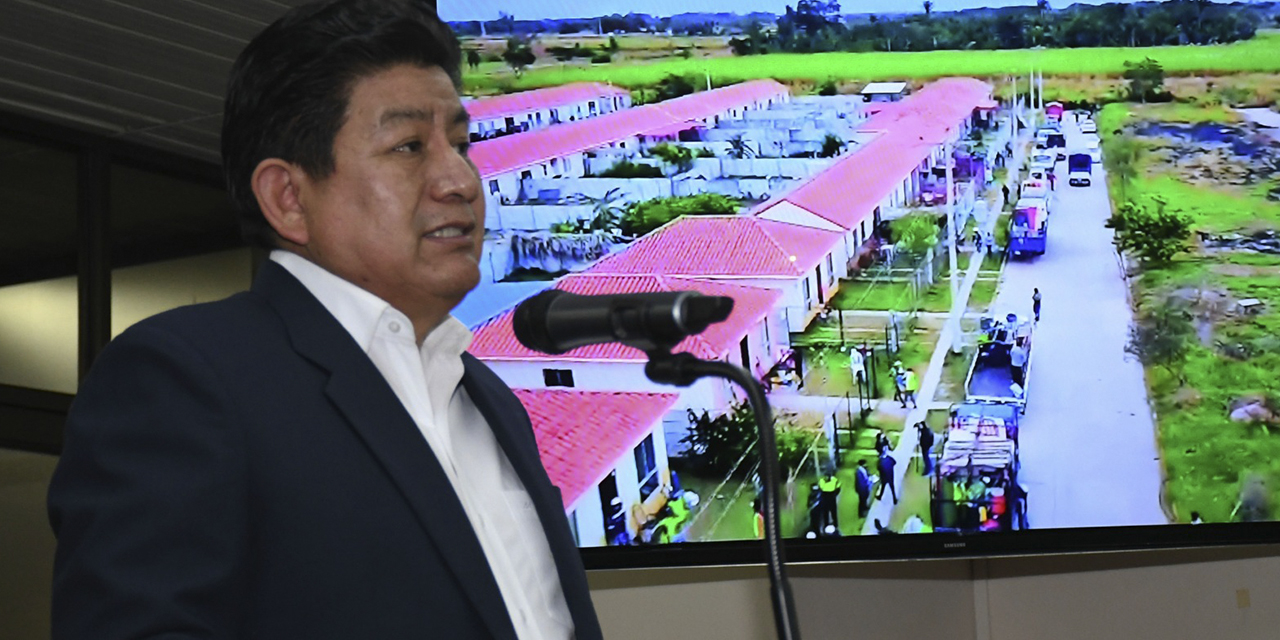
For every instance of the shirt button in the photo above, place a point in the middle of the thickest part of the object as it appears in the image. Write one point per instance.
(394, 327)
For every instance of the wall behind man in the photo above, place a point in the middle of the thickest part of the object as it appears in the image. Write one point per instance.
(1199, 593)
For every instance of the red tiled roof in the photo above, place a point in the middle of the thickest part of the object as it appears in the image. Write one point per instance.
(723, 246)
(496, 340)
(508, 153)
(848, 191)
(582, 434)
(549, 97)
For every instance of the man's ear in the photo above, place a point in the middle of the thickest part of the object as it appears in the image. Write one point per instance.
(276, 185)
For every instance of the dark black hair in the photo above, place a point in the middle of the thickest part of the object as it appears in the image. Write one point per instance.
(288, 91)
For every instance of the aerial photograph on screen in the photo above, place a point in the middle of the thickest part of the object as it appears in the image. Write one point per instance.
(999, 267)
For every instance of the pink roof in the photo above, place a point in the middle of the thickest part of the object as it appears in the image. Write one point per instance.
(582, 435)
(547, 98)
(508, 153)
(848, 191)
(723, 246)
(704, 104)
(496, 340)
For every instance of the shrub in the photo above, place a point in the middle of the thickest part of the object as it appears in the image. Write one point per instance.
(628, 169)
(643, 217)
(675, 154)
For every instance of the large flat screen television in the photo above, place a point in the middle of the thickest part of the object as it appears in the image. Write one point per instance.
(1011, 275)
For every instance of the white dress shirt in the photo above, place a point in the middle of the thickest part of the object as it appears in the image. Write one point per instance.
(427, 380)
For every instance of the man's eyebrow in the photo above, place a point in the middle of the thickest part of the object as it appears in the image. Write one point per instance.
(395, 116)
(460, 117)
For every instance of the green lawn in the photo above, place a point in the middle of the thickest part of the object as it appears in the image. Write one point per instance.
(866, 295)
(1206, 456)
(1261, 54)
(1213, 210)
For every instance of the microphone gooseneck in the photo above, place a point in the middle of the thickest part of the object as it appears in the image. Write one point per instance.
(556, 321)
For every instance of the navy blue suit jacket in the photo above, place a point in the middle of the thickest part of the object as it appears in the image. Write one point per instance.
(240, 469)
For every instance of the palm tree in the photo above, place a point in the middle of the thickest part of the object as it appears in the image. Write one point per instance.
(1043, 6)
(928, 8)
(738, 148)
(606, 210)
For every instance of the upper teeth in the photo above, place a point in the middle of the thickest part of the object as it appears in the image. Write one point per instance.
(447, 232)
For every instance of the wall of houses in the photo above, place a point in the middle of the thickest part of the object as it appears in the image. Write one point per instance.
(587, 516)
(547, 116)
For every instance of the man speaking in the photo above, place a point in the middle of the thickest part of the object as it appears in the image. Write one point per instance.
(319, 457)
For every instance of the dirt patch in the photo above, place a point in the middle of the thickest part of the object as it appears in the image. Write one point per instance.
(1243, 270)
(1208, 306)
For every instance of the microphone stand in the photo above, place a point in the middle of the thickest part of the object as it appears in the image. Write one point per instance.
(683, 369)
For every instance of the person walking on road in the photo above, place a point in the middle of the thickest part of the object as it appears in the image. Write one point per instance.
(911, 384)
(1035, 303)
(1004, 189)
(862, 485)
(924, 437)
(886, 464)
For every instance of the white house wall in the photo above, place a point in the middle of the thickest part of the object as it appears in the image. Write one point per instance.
(710, 394)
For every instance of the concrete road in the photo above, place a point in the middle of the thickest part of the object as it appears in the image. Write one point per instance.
(1087, 442)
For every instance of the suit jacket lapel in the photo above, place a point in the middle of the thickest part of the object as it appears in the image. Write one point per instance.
(503, 412)
(372, 409)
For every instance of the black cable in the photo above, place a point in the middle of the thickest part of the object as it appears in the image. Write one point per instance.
(682, 369)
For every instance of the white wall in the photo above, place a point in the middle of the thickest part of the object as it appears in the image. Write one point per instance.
(39, 320)
(39, 334)
(1187, 594)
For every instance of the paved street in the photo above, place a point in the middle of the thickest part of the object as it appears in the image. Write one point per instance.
(1088, 446)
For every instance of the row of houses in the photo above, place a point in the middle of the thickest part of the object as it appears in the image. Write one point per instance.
(781, 261)
(511, 113)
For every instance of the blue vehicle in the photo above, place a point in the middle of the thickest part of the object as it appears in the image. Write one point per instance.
(1079, 169)
(1029, 227)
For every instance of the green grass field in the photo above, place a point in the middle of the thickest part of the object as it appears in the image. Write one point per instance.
(1261, 54)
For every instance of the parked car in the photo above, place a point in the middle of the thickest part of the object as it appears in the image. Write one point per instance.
(1043, 160)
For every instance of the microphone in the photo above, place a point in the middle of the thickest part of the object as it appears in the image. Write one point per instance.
(556, 321)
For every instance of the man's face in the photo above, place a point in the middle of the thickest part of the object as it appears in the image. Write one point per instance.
(402, 215)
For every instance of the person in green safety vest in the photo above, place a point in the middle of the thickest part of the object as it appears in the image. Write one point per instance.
(912, 386)
(829, 486)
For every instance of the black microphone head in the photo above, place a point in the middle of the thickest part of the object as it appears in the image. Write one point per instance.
(530, 322)
(700, 312)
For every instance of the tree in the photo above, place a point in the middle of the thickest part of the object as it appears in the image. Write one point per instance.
(716, 444)
(915, 233)
(643, 217)
(606, 212)
(740, 148)
(1146, 79)
(681, 157)
(928, 8)
(832, 145)
(1121, 156)
(519, 55)
(1155, 233)
(673, 86)
(1161, 337)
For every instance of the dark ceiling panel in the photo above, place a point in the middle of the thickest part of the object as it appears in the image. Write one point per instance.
(90, 41)
(57, 62)
(218, 16)
(87, 88)
(145, 27)
(34, 97)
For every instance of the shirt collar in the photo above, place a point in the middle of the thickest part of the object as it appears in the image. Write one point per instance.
(359, 311)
